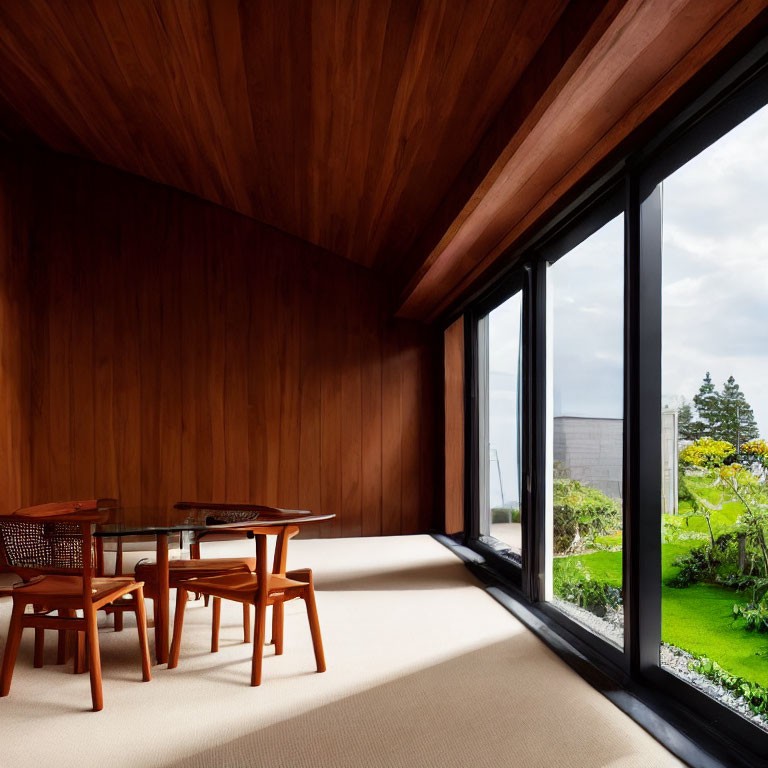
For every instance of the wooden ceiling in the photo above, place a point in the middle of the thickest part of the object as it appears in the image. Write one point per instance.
(341, 122)
(421, 138)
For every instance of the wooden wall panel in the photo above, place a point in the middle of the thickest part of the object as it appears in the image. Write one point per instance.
(183, 350)
(15, 395)
(454, 427)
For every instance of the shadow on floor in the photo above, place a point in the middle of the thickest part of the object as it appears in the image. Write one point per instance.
(429, 576)
(499, 705)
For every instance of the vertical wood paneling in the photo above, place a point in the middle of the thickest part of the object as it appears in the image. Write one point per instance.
(128, 408)
(104, 306)
(331, 405)
(454, 427)
(371, 416)
(351, 417)
(215, 374)
(410, 431)
(236, 373)
(15, 387)
(429, 459)
(391, 435)
(310, 377)
(195, 432)
(182, 350)
(288, 320)
(80, 378)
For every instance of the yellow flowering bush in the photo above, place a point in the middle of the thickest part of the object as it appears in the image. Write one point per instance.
(757, 448)
(706, 452)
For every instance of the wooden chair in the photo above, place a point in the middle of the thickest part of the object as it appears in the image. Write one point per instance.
(55, 542)
(181, 571)
(26, 572)
(260, 589)
(232, 512)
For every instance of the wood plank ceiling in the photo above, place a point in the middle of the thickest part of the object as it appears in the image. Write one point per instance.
(343, 123)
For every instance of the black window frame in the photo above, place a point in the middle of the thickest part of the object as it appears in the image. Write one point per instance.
(635, 181)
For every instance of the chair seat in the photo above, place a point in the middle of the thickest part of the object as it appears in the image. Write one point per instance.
(53, 588)
(214, 564)
(179, 570)
(242, 587)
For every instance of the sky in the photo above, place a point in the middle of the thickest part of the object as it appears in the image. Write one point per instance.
(714, 300)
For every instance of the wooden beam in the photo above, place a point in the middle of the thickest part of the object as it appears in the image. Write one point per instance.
(606, 89)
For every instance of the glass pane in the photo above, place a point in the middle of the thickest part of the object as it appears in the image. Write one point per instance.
(501, 470)
(585, 295)
(715, 416)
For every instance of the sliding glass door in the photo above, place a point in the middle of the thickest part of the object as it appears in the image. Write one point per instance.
(500, 372)
(714, 521)
(585, 432)
(618, 417)
(501, 349)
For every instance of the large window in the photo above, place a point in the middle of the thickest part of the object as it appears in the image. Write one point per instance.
(621, 420)
(585, 290)
(715, 416)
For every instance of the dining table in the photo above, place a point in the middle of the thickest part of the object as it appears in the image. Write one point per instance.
(198, 518)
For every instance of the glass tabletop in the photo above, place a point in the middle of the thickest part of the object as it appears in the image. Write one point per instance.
(198, 516)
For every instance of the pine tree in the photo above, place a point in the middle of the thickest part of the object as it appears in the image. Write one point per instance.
(736, 419)
(685, 422)
(707, 404)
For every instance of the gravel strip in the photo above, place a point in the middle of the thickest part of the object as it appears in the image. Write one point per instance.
(673, 659)
(676, 661)
(610, 627)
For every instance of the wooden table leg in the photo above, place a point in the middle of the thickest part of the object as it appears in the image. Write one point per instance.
(162, 601)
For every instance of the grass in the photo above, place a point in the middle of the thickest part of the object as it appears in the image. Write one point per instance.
(699, 618)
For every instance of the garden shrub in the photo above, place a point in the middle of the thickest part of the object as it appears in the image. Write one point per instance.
(706, 563)
(580, 514)
(706, 452)
(697, 565)
(756, 696)
(597, 597)
(574, 584)
(754, 615)
(505, 515)
(755, 448)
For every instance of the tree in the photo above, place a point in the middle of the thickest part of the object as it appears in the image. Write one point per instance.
(753, 494)
(707, 403)
(685, 422)
(736, 420)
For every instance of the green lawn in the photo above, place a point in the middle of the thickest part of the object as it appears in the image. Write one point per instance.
(698, 618)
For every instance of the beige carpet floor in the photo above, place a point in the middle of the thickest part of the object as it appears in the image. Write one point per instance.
(424, 669)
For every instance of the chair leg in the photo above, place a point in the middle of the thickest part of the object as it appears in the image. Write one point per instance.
(178, 625)
(81, 662)
(11, 649)
(206, 598)
(39, 647)
(141, 623)
(314, 627)
(118, 621)
(94, 657)
(215, 624)
(278, 622)
(246, 623)
(61, 648)
(258, 637)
